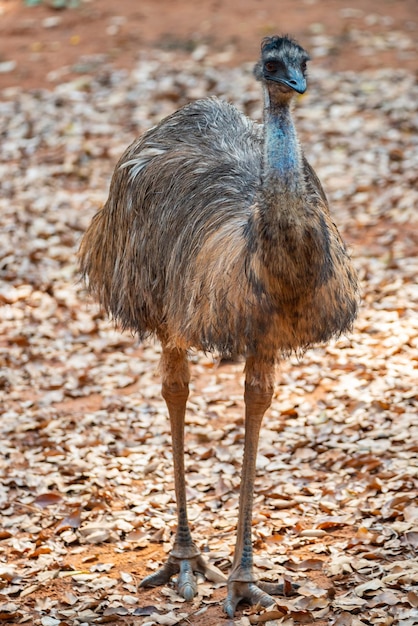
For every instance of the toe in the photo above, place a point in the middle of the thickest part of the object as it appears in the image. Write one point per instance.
(186, 580)
(236, 593)
(162, 576)
(258, 596)
(245, 592)
(230, 604)
(187, 586)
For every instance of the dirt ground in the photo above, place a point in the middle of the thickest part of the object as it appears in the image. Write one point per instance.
(62, 560)
(40, 40)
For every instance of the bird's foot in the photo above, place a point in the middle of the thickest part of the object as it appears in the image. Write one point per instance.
(253, 593)
(186, 568)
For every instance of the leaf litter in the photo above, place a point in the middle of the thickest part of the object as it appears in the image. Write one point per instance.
(87, 487)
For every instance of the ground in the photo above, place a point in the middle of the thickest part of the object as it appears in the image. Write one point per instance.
(87, 488)
(44, 45)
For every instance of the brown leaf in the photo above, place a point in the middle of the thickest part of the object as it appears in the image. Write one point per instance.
(9, 615)
(39, 551)
(139, 537)
(412, 597)
(47, 499)
(288, 588)
(331, 522)
(368, 586)
(313, 532)
(5, 534)
(383, 599)
(366, 462)
(275, 538)
(410, 513)
(267, 616)
(116, 610)
(344, 619)
(412, 538)
(312, 604)
(301, 617)
(362, 536)
(306, 564)
(290, 412)
(73, 520)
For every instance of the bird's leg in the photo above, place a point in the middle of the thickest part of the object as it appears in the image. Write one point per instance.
(242, 584)
(185, 558)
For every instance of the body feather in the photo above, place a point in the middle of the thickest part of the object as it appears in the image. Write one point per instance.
(182, 248)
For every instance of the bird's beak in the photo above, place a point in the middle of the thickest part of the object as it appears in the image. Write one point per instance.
(292, 78)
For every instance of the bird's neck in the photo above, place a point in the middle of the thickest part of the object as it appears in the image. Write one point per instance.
(282, 167)
(282, 208)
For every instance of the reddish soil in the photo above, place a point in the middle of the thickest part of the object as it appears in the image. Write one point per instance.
(40, 39)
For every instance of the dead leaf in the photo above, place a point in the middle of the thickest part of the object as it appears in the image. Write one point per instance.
(369, 586)
(412, 597)
(313, 533)
(169, 619)
(412, 538)
(73, 520)
(267, 616)
(47, 499)
(306, 564)
(386, 598)
(344, 619)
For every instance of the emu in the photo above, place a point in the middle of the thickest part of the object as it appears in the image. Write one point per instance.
(217, 236)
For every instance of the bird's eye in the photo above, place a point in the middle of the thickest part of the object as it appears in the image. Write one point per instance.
(270, 66)
(303, 66)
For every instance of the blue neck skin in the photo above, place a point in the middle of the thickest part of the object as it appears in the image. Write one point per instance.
(282, 159)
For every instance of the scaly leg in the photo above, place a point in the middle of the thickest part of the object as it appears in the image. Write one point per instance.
(242, 584)
(185, 558)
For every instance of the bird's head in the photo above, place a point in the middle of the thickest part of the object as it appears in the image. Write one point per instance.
(282, 65)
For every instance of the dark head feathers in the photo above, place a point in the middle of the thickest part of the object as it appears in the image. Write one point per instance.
(281, 48)
(284, 45)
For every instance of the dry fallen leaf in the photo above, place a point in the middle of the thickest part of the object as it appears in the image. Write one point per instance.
(169, 619)
(267, 616)
(72, 520)
(367, 587)
(47, 499)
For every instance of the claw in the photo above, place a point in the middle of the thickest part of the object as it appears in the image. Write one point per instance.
(186, 581)
(245, 592)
